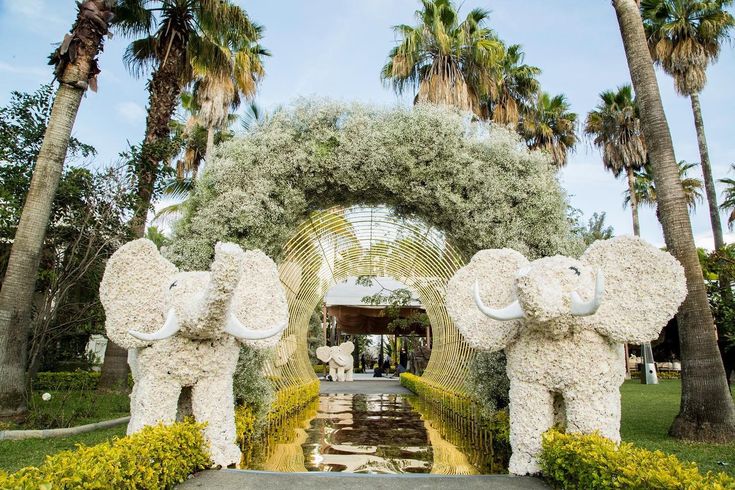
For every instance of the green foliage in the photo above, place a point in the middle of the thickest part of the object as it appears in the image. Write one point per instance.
(394, 300)
(66, 381)
(594, 462)
(315, 335)
(645, 188)
(156, 457)
(488, 381)
(250, 387)
(473, 181)
(716, 267)
(549, 126)
(75, 407)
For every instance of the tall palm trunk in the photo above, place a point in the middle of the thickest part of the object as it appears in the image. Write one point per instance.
(164, 89)
(210, 144)
(707, 411)
(709, 183)
(86, 40)
(633, 201)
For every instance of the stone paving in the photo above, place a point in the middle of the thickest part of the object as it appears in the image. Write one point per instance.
(264, 480)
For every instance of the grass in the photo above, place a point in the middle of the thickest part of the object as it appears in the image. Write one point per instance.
(15, 455)
(647, 414)
(72, 408)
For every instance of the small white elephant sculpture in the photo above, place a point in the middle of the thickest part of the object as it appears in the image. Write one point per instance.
(340, 360)
(185, 330)
(562, 323)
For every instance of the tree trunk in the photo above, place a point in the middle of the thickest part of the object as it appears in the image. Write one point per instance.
(114, 375)
(18, 286)
(709, 182)
(164, 89)
(163, 96)
(210, 144)
(707, 411)
(633, 201)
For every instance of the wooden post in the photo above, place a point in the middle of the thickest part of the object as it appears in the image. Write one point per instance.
(428, 336)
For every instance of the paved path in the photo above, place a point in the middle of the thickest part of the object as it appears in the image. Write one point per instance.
(363, 384)
(265, 480)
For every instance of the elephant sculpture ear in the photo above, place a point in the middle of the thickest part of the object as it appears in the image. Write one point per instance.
(494, 272)
(644, 287)
(259, 301)
(347, 347)
(132, 292)
(324, 353)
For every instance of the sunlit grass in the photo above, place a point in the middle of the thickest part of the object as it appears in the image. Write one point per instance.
(649, 410)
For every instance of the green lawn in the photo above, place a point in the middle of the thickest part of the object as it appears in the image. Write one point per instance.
(648, 411)
(31, 452)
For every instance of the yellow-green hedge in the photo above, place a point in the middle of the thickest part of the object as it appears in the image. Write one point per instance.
(594, 462)
(156, 457)
(288, 400)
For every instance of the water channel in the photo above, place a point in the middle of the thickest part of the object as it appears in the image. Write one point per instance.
(385, 433)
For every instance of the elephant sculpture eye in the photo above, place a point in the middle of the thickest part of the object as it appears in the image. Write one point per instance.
(173, 284)
(576, 271)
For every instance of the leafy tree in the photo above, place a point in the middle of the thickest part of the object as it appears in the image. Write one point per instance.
(75, 66)
(394, 301)
(596, 229)
(728, 202)
(707, 411)
(615, 128)
(645, 187)
(684, 37)
(446, 61)
(549, 126)
(180, 41)
(514, 88)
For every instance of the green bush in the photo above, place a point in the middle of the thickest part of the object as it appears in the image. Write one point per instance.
(66, 381)
(488, 381)
(156, 457)
(594, 462)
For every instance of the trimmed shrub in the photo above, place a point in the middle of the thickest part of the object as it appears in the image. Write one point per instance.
(66, 381)
(488, 381)
(591, 461)
(156, 457)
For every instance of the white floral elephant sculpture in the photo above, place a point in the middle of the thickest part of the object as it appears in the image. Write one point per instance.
(184, 329)
(340, 360)
(562, 323)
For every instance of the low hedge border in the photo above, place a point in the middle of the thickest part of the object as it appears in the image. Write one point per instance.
(156, 457)
(593, 462)
(288, 400)
(66, 381)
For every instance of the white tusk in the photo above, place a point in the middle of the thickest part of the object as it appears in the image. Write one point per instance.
(169, 328)
(580, 308)
(237, 329)
(513, 311)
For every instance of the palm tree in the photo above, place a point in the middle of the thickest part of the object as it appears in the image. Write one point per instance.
(514, 88)
(448, 61)
(181, 41)
(615, 127)
(728, 203)
(219, 91)
(549, 125)
(645, 187)
(684, 37)
(707, 411)
(75, 62)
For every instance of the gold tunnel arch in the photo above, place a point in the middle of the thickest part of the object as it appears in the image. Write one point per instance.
(334, 244)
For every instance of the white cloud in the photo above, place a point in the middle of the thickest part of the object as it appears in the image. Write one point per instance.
(707, 242)
(130, 112)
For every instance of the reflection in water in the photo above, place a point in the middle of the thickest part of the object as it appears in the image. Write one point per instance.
(374, 434)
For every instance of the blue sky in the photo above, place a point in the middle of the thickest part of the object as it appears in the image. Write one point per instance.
(335, 48)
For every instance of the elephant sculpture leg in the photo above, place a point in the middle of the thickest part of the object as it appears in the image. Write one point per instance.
(348, 374)
(143, 412)
(531, 414)
(332, 372)
(211, 401)
(340, 373)
(593, 408)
